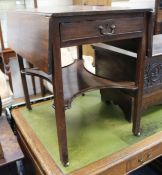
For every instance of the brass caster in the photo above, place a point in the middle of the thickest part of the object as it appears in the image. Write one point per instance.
(67, 164)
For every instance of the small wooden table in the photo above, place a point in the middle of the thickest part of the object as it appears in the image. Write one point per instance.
(38, 35)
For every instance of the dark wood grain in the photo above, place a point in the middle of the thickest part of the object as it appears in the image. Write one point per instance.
(38, 27)
(90, 28)
(31, 30)
(108, 66)
(6, 54)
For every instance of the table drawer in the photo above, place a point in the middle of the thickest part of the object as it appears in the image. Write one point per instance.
(115, 170)
(144, 157)
(96, 29)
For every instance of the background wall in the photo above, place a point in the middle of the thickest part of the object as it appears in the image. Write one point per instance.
(134, 3)
(6, 5)
(43, 3)
(46, 3)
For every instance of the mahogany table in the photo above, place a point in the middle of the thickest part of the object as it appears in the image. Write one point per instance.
(38, 35)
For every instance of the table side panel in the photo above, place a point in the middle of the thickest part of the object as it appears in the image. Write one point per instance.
(28, 36)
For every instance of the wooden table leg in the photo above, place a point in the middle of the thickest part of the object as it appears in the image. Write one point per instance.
(60, 117)
(24, 82)
(59, 97)
(140, 65)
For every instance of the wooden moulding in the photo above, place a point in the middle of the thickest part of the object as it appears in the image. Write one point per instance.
(122, 162)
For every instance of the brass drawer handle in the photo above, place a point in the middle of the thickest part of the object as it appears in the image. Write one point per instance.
(141, 161)
(105, 30)
(149, 156)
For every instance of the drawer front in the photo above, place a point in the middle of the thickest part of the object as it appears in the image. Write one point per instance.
(144, 157)
(97, 29)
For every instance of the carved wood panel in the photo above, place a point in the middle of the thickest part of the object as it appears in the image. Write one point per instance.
(153, 73)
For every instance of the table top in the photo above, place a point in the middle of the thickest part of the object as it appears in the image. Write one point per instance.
(82, 10)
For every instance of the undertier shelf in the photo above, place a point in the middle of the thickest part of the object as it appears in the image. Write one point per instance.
(77, 80)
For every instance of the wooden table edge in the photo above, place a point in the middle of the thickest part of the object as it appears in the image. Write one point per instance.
(49, 165)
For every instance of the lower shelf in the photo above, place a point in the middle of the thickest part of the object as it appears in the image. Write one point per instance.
(77, 80)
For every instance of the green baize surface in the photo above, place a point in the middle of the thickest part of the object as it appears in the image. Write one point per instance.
(94, 129)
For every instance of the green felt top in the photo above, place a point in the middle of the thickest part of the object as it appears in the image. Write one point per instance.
(95, 130)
